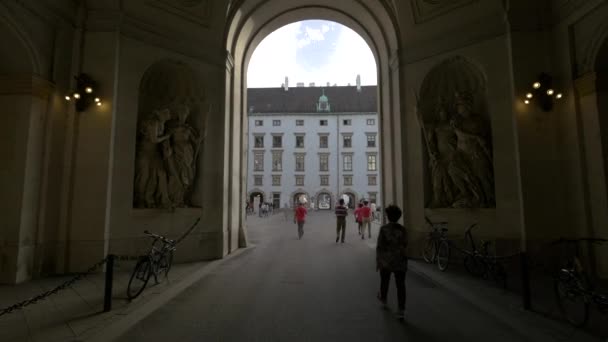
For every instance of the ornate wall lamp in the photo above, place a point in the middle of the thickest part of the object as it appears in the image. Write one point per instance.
(543, 93)
(85, 93)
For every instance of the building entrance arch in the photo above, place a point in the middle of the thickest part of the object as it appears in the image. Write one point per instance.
(250, 21)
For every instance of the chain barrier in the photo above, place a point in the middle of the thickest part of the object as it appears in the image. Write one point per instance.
(46, 294)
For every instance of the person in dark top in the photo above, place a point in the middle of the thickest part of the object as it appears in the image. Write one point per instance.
(391, 257)
(341, 213)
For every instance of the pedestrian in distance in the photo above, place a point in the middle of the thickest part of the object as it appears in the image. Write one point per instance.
(366, 218)
(300, 218)
(391, 258)
(358, 218)
(341, 213)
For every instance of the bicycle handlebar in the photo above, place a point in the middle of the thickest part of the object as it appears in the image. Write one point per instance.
(159, 237)
(471, 228)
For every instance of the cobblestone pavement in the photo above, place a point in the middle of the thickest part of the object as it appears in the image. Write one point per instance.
(313, 289)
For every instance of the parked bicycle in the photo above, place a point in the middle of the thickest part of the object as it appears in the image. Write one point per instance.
(157, 263)
(574, 290)
(480, 262)
(437, 246)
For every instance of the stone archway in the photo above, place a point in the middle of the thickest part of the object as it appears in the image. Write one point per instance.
(251, 21)
(324, 200)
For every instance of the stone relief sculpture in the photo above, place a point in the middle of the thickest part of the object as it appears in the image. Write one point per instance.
(169, 139)
(457, 139)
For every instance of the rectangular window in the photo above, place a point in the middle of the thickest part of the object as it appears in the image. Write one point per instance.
(371, 162)
(277, 161)
(299, 122)
(323, 122)
(277, 141)
(348, 141)
(276, 200)
(258, 141)
(372, 180)
(300, 162)
(323, 141)
(258, 180)
(348, 180)
(258, 161)
(371, 122)
(323, 162)
(300, 180)
(299, 141)
(347, 162)
(371, 140)
(276, 122)
(347, 122)
(259, 122)
(276, 180)
(324, 180)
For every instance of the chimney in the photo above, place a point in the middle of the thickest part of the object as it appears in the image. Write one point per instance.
(311, 84)
(286, 85)
(300, 84)
(359, 83)
(328, 84)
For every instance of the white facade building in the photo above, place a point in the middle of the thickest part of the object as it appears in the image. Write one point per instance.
(313, 143)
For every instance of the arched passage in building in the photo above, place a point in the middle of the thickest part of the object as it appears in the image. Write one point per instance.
(251, 21)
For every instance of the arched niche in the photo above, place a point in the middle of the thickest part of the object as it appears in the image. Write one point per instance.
(171, 127)
(453, 112)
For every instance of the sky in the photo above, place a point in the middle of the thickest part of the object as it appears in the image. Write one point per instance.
(311, 51)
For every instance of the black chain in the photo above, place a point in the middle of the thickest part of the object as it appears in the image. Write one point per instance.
(46, 294)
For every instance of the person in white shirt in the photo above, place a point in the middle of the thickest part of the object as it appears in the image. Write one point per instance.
(373, 208)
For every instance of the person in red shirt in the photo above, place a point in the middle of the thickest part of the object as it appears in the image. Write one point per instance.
(358, 218)
(366, 218)
(300, 218)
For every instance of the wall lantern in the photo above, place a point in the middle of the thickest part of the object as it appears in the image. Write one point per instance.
(85, 93)
(543, 93)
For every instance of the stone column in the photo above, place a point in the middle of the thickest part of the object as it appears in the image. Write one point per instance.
(23, 99)
(594, 167)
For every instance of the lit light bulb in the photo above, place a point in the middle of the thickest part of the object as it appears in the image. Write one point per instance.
(536, 85)
(68, 98)
(88, 90)
(76, 95)
(99, 104)
(559, 96)
(97, 99)
(550, 92)
(527, 101)
(529, 95)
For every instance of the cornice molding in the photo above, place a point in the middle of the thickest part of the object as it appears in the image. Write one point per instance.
(195, 11)
(426, 10)
(26, 85)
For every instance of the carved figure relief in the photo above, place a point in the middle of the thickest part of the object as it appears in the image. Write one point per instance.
(457, 136)
(168, 142)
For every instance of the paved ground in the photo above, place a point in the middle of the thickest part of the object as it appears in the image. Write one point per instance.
(313, 289)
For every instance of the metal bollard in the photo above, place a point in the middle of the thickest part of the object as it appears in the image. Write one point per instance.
(525, 282)
(107, 298)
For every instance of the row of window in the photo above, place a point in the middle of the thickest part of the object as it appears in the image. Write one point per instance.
(322, 122)
(277, 161)
(277, 140)
(276, 198)
(258, 180)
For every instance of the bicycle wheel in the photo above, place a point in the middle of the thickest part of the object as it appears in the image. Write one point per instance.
(139, 278)
(474, 265)
(443, 255)
(570, 297)
(430, 250)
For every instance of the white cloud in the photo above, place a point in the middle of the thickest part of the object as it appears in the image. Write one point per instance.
(276, 57)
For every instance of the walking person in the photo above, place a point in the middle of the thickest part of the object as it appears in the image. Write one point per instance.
(358, 218)
(391, 257)
(366, 219)
(372, 207)
(299, 218)
(341, 213)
